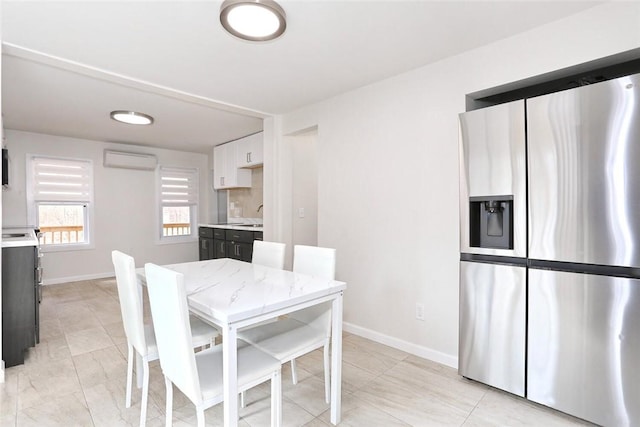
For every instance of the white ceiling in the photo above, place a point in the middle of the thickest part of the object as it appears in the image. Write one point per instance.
(66, 65)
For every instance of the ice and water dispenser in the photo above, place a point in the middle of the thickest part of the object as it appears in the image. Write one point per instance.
(491, 222)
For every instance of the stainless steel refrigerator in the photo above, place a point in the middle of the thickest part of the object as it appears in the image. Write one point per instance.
(582, 260)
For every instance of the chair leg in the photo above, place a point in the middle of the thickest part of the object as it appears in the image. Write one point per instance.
(130, 357)
(327, 381)
(200, 415)
(139, 370)
(294, 374)
(169, 404)
(145, 394)
(276, 399)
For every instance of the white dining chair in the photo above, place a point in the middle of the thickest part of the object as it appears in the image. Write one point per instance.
(268, 254)
(141, 340)
(305, 330)
(199, 375)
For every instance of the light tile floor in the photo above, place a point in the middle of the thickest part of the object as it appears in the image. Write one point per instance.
(76, 377)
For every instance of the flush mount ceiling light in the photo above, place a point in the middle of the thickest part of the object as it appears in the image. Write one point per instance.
(253, 20)
(131, 117)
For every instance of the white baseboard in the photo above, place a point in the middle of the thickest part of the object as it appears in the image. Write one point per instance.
(417, 350)
(78, 278)
(1, 371)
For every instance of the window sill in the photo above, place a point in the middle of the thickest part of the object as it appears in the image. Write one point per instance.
(67, 248)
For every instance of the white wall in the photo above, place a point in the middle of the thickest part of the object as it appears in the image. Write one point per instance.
(304, 189)
(388, 174)
(125, 205)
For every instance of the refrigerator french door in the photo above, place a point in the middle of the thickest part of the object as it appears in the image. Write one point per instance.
(493, 246)
(584, 251)
(493, 324)
(584, 345)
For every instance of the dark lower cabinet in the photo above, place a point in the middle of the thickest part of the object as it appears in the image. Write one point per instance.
(239, 244)
(212, 243)
(219, 248)
(225, 243)
(239, 250)
(19, 303)
(206, 249)
(219, 244)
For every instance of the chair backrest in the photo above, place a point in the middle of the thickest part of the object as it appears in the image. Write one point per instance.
(130, 300)
(268, 254)
(168, 301)
(314, 261)
(319, 262)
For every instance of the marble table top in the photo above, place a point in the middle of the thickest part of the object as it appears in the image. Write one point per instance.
(228, 290)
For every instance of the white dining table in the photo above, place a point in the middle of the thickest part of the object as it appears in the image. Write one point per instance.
(234, 294)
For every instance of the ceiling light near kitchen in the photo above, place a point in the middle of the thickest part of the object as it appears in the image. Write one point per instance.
(131, 117)
(253, 20)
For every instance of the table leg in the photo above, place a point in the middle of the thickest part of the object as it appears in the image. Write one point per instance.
(336, 359)
(230, 375)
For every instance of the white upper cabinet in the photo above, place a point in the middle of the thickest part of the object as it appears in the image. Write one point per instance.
(225, 170)
(249, 151)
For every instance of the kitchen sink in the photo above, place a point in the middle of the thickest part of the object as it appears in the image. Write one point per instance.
(249, 225)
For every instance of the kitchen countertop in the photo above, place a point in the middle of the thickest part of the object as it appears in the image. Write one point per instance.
(244, 226)
(25, 237)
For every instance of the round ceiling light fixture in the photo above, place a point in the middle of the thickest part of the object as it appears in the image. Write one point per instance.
(253, 20)
(131, 117)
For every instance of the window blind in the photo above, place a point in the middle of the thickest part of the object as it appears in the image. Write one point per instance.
(61, 180)
(178, 186)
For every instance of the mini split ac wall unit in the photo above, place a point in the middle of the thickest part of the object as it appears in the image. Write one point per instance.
(122, 159)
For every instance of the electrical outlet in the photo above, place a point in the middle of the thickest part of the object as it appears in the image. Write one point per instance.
(419, 311)
(300, 212)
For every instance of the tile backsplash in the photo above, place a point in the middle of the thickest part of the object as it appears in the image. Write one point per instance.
(244, 202)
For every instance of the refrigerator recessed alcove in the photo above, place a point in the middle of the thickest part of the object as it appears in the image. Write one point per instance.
(533, 322)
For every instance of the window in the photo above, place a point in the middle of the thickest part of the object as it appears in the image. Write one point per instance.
(60, 196)
(178, 195)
